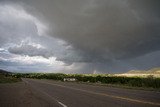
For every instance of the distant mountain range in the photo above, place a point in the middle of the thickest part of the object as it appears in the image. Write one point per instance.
(151, 71)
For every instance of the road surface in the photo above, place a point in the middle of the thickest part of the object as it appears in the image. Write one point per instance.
(68, 94)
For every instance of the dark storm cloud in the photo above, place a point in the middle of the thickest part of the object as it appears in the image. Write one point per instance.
(147, 61)
(109, 29)
(104, 29)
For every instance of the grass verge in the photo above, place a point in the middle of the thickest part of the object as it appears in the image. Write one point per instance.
(8, 79)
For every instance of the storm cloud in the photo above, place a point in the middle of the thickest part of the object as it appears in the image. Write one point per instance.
(102, 35)
(30, 50)
(105, 29)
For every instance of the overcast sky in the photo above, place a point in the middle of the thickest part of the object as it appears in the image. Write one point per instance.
(79, 36)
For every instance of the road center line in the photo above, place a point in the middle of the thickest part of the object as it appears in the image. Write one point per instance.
(104, 94)
(62, 104)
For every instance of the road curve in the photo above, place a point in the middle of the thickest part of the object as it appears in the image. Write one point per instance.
(68, 94)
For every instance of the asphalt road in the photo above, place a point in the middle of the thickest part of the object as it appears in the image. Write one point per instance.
(69, 94)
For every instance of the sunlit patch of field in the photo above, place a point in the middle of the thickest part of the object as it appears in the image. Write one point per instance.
(155, 72)
(138, 75)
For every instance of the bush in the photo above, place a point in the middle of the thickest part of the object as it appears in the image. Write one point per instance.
(129, 81)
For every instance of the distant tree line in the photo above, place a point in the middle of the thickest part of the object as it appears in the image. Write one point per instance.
(150, 81)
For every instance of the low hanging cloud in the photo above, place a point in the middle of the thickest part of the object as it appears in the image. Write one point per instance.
(31, 50)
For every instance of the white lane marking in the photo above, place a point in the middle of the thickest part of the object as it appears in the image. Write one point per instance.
(62, 104)
(103, 94)
(48, 95)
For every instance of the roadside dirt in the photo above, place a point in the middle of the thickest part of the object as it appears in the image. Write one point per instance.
(21, 94)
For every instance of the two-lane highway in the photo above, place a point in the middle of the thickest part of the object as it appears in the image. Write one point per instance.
(68, 94)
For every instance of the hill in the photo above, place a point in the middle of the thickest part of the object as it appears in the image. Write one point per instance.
(4, 72)
(155, 72)
(150, 71)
